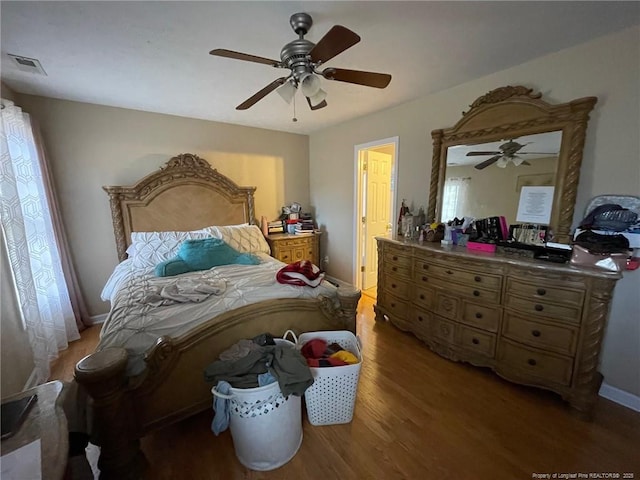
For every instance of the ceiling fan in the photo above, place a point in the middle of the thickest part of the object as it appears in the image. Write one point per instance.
(304, 59)
(508, 152)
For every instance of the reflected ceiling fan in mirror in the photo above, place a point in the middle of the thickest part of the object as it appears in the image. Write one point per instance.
(507, 152)
(304, 58)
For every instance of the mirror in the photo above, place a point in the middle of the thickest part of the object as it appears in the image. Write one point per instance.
(509, 139)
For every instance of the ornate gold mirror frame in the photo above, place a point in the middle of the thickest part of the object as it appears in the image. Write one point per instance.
(510, 112)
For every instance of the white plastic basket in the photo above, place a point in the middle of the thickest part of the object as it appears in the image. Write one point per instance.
(266, 426)
(332, 397)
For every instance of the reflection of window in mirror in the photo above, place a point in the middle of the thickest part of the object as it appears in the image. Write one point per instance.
(454, 198)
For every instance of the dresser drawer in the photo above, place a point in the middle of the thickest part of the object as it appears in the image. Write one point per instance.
(543, 309)
(547, 293)
(397, 264)
(530, 362)
(477, 341)
(482, 280)
(397, 286)
(481, 316)
(557, 338)
(443, 329)
(421, 321)
(423, 297)
(479, 294)
(393, 306)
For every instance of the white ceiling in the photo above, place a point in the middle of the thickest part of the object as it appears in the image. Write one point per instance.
(153, 56)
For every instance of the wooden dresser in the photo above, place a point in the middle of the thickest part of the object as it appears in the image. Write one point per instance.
(532, 322)
(291, 248)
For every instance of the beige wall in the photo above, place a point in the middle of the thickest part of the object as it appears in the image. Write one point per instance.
(608, 68)
(90, 146)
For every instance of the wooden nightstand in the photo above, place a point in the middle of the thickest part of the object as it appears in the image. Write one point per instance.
(291, 248)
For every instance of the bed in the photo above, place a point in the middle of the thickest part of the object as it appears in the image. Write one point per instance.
(136, 388)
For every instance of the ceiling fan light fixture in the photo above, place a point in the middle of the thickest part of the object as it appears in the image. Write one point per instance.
(287, 91)
(517, 161)
(502, 162)
(318, 98)
(310, 84)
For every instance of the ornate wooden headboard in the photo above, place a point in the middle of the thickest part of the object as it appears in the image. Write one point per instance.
(185, 194)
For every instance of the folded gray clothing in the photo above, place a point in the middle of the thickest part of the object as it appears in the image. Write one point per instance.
(283, 362)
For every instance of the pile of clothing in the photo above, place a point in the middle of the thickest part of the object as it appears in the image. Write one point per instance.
(255, 363)
(319, 353)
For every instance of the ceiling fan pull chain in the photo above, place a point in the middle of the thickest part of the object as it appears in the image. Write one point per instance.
(294, 110)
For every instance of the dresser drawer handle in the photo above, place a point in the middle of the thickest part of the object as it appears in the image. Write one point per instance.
(477, 279)
(424, 279)
(420, 319)
(535, 333)
(395, 258)
(393, 305)
(395, 269)
(476, 293)
(532, 362)
(449, 272)
(425, 267)
(475, 341)
(541, 291)
(539, 308)
(422, 296)
(393, 285)
(478, 315)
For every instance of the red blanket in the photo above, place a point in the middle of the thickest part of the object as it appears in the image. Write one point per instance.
(303, 273)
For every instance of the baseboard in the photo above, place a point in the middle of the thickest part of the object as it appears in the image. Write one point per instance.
(98, 318)
(621, 397)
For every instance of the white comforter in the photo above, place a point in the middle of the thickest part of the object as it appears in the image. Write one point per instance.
(136, 325)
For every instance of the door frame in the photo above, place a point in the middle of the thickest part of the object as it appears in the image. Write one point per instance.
(357, 200)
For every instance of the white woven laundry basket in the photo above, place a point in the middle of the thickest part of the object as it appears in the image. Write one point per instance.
(332, 397)
(266, 426)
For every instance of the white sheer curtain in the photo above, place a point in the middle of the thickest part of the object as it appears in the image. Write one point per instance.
(454, 198)
(30, 242)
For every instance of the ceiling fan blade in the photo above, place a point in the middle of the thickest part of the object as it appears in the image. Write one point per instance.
(524, 162)
(221, 52)
(261, 94)
(473, 154)
(369, 79)
(322, 104)
(335, 41)
(488, 162)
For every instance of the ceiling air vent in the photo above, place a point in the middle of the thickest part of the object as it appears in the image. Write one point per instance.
(27, 64)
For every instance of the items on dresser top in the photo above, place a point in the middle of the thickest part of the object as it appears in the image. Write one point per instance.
(532, 322)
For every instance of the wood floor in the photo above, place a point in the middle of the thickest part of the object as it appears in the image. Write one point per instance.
(417, 416)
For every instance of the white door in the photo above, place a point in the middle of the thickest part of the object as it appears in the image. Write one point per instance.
(377, 211)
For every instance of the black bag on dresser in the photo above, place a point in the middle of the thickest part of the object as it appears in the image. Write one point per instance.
(599, 243)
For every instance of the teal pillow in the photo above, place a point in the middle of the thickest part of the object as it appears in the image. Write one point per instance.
(204, 253)
(172, 267)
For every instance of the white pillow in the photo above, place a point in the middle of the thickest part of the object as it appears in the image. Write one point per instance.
(152, 248)
(244, 238)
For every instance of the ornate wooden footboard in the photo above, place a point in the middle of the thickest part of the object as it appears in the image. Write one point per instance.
(173, 387)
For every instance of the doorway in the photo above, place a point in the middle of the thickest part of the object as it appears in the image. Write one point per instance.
(375, 203)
